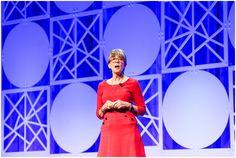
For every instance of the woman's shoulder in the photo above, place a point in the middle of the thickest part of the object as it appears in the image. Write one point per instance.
(132, 80)
(102, 83)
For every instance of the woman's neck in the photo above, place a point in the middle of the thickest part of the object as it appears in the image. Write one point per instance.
(117, 77)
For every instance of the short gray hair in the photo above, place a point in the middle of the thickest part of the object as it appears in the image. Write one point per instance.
(117, 52)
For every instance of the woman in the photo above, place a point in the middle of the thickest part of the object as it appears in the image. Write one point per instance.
(120, 135)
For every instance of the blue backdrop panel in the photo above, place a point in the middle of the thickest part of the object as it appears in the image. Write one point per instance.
(54, 54)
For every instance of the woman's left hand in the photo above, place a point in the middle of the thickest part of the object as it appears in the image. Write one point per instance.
(119, 104)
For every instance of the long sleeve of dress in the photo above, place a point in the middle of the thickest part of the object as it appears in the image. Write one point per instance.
(99, 100)
(138, 99)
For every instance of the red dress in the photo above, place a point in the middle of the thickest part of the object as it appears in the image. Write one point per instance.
(120, 135)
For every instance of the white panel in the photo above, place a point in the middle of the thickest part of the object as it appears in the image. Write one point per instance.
(136, 35)
(195, 109)
(74, 124)
(26, 54)
(73, 6)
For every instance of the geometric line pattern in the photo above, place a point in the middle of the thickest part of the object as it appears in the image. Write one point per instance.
(25, 120)
(76, 42)
(149, 122)
(232, 104)
(189, 38)
(16, 11)
(76, 47)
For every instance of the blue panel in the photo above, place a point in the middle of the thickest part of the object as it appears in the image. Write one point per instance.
(189, 35)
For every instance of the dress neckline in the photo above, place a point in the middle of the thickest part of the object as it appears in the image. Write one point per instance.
(117, 84)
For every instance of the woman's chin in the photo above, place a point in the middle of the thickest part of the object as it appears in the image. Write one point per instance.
(118, 72)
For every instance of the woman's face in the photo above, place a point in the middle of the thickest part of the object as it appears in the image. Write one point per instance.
(116, 65)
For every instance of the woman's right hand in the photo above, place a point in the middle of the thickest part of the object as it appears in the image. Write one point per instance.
(107, 106)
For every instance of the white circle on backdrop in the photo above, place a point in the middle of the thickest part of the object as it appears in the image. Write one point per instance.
(195, 109)
(232, 25)
(26, 54)
(73, 6)
(73, 120)
(135, 29)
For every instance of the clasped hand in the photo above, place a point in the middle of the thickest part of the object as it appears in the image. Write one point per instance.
(118, 104)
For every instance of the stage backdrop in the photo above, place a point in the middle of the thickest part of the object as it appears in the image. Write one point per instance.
(54, 54)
